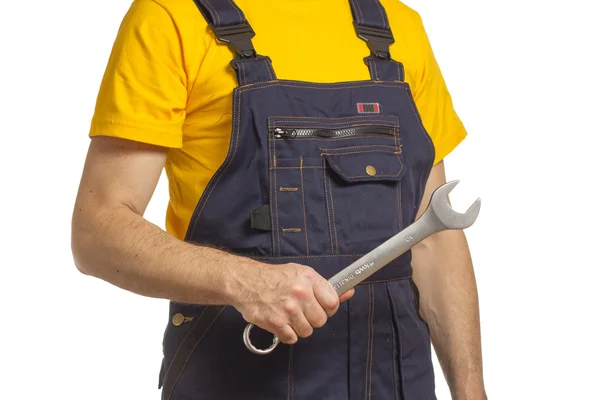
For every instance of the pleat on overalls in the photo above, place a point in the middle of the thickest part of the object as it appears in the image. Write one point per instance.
(316, 174)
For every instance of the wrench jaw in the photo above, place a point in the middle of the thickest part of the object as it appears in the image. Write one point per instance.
(446, 215)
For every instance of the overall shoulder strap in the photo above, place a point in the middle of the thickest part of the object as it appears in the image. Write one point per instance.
(230, 26)
(372, 26)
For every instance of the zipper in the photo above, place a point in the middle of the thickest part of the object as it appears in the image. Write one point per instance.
(291, 133)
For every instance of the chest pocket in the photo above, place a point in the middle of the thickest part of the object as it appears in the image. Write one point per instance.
(335, 184)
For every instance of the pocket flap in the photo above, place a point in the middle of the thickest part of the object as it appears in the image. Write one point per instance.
(366, 165)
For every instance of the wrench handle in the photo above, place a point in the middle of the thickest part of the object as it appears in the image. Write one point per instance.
(383, 254)
(366, 266)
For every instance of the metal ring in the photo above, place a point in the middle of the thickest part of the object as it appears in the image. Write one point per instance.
(251, 347)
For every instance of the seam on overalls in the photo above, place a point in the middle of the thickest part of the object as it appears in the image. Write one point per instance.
(395, 147)
(412, 104)
(398, 196)
(383, 19)
(320, 256)
(271, 190)
(399, 72)
(327, 207)
(360, 152)
(268, 69)
(242, 19)
(369, 366)
(398, 188)
(360, 16)
(245, 80)
(325, 86)
(228, 159)
(339, 138)
(337, 246)
(401, 371)
(394, 351)
(190, 355)
(208, 7)
(181, 343)
(298, 167)
(349, 124)
(303, 205)
(290, 395)
(276, 202)
(373, 68)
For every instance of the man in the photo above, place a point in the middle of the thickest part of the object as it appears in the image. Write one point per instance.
(321, 153)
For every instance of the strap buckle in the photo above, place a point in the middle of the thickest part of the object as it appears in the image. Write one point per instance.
(378, 40)
(239, 37)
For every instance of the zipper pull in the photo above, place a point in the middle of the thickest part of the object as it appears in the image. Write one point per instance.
(284, 133)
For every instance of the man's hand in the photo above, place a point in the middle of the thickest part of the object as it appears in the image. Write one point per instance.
(112, 241)
(287, 300)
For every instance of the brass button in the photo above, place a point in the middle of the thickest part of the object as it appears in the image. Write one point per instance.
(178, 319)
(371, 171)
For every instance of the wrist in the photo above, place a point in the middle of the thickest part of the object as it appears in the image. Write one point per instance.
(234, 280)
(472, 391)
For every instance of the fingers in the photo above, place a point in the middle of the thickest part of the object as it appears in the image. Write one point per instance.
(326, 296)
(286, 334)
(347, 296)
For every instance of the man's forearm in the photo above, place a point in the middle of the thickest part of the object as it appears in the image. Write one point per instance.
(443, 272)
(121, 247)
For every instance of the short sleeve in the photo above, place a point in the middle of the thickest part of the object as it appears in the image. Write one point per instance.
(435, 103)
(143, 93)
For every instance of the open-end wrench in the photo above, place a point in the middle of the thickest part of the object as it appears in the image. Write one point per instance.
(438, 216)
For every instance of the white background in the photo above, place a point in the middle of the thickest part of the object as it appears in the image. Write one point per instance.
(525, 79)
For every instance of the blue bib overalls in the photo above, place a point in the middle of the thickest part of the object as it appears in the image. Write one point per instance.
(316, 174)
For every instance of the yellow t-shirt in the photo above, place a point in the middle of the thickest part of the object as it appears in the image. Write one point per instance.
(168, 81)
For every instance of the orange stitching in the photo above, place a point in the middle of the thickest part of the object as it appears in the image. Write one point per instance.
(321, 256)
(192, 352)
(228, 158)
(276, 206)
(412, 104)
(337, 246)
(359, 147)
(369, 342)
(381, 11)
(291, 374)
(292, 230)
(208, 7)
(387, 124)
(359, 11)
(326, 119)
(327, 205)
(394, 351)
(391, 300)
(323, 86)
(244, 72)
(398, 197)
(342, 138)
(181, 343)
(372, 339)
(298, 167)
(303, 205)
(292, 189)
(271, 190)
(242, 19)
(361, 152)
(268, 69)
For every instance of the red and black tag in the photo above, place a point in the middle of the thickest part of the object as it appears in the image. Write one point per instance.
(368, 108)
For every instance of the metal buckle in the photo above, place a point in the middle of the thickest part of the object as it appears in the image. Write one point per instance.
(378, 40)
(239, 37)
